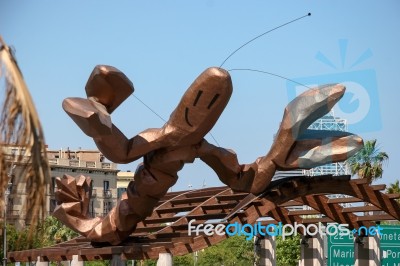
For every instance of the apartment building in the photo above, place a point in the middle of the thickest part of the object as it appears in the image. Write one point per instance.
(88, 163)
(123, 179)
(64, 162)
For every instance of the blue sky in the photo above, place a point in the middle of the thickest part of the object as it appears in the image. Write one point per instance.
(162, 46)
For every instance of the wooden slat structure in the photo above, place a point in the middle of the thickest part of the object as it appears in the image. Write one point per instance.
(166, 230)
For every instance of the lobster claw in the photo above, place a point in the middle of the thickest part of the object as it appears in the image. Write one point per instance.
(296, 146)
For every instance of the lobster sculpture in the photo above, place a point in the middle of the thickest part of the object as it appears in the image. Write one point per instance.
(181, 140)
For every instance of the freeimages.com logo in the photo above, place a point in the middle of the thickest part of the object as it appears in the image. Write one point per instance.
(360, 104)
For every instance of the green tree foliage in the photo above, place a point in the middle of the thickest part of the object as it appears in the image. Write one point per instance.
(185, 260)
(97, 263)
(18, 239)
(55, 232)
(367, 162)
(47, 232)
(288, 250)
(149, 263)
(394, 188)
(235, 250)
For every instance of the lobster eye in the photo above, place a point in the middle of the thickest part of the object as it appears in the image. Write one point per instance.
(196, 100)
(214, 99)
(197, 97)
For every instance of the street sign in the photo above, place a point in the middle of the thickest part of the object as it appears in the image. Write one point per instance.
(390, 245)
(341, 240)
(340, 250)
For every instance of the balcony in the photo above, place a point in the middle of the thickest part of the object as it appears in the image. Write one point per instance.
(81, 163)
(90, 164)
(107, 194)
(106, 165)
(12, 214)
(53, 161)
(74, 163)
(13, 189)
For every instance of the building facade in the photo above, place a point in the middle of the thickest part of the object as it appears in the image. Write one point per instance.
(123, 179)
(89, 163)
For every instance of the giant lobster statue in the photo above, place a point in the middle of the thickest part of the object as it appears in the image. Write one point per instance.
(181, 140)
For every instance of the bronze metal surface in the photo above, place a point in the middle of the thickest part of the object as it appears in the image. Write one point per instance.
(181, 140)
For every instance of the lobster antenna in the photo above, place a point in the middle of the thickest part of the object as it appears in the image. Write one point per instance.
(269, 73)
(255, 38)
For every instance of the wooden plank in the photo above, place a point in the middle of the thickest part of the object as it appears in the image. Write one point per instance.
(162, 220)
(206, 192)
(303, 212)
(345, 200)
(220, 206)
(393, 195)
(149, 229)
(378, 187)
(236, 196)
(360, 209)
(175, 209)
(207, 216)
(359, 181)
(317, 220)
(291, 203)
(187, 201)
(374, 218)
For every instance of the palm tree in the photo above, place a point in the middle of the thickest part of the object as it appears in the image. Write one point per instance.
(367, 162)
(20, 126)
(394, 188)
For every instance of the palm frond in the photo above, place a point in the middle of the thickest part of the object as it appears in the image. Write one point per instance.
(368, 162)
(20, 126)
(394, 187)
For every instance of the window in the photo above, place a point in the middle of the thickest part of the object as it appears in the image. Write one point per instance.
(106, 189)
(53, 205)
(10, 204)
(106, 184)
(53, 185)
(92, 212)
(107, 207)
(14, 151)
(121, 191)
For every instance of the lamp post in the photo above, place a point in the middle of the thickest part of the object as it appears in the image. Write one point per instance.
(6, 193)
(196, 255)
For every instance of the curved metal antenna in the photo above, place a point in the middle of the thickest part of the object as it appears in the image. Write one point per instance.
(269, 73)
(255, 38)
